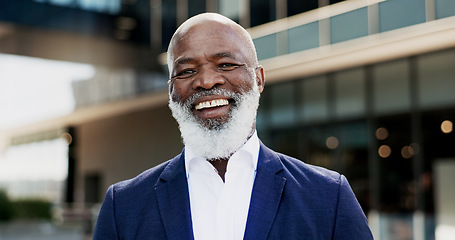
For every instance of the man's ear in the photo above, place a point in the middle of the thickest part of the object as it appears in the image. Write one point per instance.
(260, 78)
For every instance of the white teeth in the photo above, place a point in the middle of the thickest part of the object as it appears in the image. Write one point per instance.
(213, 103)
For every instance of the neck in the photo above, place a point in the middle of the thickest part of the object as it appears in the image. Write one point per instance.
(221, 164)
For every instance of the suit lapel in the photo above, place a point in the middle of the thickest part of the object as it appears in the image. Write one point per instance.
(267, 189)
(173, 200)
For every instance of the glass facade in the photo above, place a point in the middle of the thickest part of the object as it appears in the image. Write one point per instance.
(350, 25)
(230, 9)
(375, 18)
(349, 93)
(444, 8)
(105, 6)
(297, 6)
(168, 21)
(282, 104)
(197, 6)
(303, 37)
(381, 125)
(391, 87)
(262, 11)
(314, 100)
(436, 78)
(268, 45)
(394, 14)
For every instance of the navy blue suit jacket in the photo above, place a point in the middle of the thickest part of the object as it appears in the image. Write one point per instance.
(290, 200)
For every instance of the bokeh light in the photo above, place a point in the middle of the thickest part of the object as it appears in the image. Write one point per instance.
(447, 126)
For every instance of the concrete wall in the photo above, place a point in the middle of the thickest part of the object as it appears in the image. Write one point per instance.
(121, 147)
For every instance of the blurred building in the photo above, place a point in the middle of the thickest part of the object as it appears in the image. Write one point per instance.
(362, 87)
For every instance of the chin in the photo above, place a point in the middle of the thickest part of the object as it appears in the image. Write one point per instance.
(218, 137)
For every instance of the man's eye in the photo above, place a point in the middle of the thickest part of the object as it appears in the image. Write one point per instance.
(186, 73)
(227, 66)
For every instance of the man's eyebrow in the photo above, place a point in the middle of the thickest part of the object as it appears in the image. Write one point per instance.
(183, 60)
(223, 55)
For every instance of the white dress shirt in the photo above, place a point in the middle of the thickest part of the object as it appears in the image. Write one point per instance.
(219, 210)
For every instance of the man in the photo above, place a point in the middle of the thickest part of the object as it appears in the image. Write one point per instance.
(226, 184)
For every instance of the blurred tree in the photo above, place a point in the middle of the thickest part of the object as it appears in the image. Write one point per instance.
(6, 207)
(32, 209)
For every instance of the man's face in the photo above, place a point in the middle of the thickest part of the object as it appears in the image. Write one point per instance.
(209, 63)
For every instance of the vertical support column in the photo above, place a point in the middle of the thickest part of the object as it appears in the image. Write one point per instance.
(182, 11)
(417, 159)
(323, 3)
(155, 24)
(244, 13)
(324, 32)
(211, 5)
(430, 10)
(71, 178)
(373, 19)
(281, 9)
(373, 160)
(282, 43)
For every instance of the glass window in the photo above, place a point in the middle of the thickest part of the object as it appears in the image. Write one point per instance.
(230, 9)
(317, 152)
(354, 136)
(396, 178)
(262, 11)
(110, 6)
(298, 6)
(349, 25)
(266, 46)
(349, 93)
(105, 6)
(303, 37)
(195, 7)
(437, 144)
(335, 1)
(169, 22)
(314, 99)
(391, 87)
(353, 162)
(436, 73)
(62, 2)
(445, 8)
(282, 106)
(286, 141)
(395, 14)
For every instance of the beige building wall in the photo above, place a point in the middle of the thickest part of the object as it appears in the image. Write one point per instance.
(121, 147)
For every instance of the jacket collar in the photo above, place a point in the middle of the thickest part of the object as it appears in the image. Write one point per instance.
(173, 197)
(173, 200)
(267, 190)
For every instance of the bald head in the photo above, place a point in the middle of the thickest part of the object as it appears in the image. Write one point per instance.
(209, 25)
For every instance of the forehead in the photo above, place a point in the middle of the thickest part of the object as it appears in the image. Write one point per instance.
(208, 39)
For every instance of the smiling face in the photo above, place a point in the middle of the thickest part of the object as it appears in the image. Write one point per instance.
(215, 85)
(212, 54)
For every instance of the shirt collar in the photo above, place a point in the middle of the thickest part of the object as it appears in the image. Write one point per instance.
(249, 151)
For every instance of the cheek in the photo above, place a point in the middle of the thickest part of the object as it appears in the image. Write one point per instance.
(243, 83)
(178, 92)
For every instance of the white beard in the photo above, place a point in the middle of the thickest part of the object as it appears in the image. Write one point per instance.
(211, 139)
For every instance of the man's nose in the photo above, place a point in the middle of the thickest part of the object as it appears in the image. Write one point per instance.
(208, 78)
